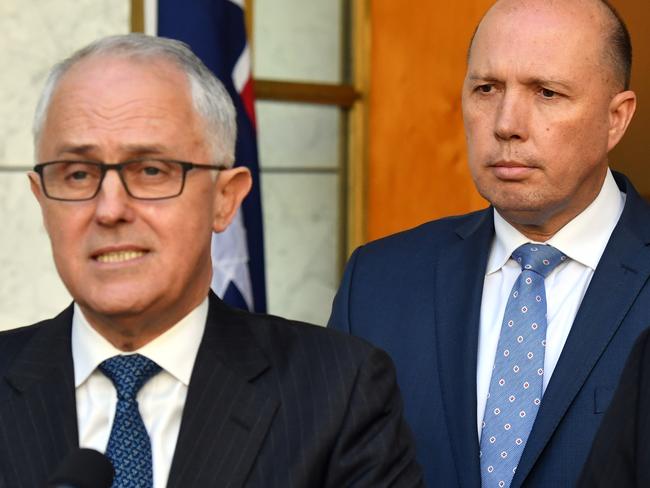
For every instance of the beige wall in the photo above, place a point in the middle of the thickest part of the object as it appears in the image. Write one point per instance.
(34, 34)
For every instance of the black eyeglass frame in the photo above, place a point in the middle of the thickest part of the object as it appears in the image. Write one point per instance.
(105, 167)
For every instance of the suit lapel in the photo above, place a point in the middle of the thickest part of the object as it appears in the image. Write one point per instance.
(458, 303)
(622, 271)
(42, 408)
(226, 416)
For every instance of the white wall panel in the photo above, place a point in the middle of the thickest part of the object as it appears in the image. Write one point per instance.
(34, 34)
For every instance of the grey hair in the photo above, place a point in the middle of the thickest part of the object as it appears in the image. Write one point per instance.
(209, 97)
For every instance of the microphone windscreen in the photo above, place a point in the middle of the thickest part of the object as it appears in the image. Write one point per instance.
(83, 468)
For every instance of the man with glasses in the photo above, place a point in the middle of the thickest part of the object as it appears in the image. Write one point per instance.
(135, 142)
(143, 178)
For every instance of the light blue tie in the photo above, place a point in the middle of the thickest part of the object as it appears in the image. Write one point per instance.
(517, 378)
(129, 447)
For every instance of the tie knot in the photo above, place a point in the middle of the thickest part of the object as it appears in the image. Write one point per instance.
(540, 258)
(128, 373)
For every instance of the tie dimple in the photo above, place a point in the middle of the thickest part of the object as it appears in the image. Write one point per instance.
(129, 446)
(517, 378)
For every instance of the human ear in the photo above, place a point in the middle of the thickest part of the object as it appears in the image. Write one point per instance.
(232, 186)
(621, 110)
(35, 185)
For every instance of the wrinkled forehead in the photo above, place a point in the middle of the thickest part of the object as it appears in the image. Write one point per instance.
(116, 103)
(537, 34)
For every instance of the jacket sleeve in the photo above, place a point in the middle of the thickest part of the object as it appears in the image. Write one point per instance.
(375, 447)
(340, 316)
(613, 457)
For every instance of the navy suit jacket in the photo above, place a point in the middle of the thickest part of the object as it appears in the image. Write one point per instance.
(621, 450)
(417, 295)
(270, 404)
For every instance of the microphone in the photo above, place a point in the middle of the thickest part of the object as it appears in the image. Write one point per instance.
(83, 468)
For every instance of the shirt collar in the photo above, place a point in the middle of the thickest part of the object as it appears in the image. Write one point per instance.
(583, 239)
(174, 351)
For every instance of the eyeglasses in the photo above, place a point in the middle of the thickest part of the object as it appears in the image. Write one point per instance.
(144, 179)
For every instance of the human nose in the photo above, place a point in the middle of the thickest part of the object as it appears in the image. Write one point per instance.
(512, 117)
(113, 201)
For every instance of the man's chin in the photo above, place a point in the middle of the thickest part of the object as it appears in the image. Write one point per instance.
(522, 210)
(114, 304)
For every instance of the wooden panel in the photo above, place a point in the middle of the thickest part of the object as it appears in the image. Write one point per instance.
(417, 160)
(321, 93)
(249, 9)
(631, 155)
(137, 15)
(355, 190)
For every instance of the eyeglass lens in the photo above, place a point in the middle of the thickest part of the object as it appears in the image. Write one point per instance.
(148, 179)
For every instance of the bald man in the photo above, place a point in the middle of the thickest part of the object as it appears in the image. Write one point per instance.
(510, 326)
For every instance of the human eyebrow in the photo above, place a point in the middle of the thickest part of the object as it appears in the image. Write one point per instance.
(554, 84)
(482, 78)
(144, 150)
(129, 151)
(77, 149)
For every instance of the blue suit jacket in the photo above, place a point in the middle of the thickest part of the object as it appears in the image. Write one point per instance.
(417, 295)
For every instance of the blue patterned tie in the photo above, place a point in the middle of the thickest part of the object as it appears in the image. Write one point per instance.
(129, 447)
(517, 378)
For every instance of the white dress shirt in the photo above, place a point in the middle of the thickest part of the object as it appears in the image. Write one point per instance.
(160, 400)
(583, 240)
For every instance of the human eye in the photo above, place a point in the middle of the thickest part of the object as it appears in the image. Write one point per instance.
(154, 168)
(147, 174)
(151, 169)
(485, 88)
(74, 172)
(547, 93)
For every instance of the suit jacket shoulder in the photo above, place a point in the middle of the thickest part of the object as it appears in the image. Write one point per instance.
(38, 424)
(30, 350)
(12, 343)
(287, 404)
(435, 234)
(621, 448)
(403, 269)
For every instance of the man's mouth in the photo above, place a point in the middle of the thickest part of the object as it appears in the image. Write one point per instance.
(118, 256)
(512, 170)
(509, 164)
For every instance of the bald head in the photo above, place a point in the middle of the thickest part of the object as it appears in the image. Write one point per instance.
(614, 38)
(543, 105)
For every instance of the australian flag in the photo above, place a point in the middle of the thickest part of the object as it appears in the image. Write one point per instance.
(216, 32)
